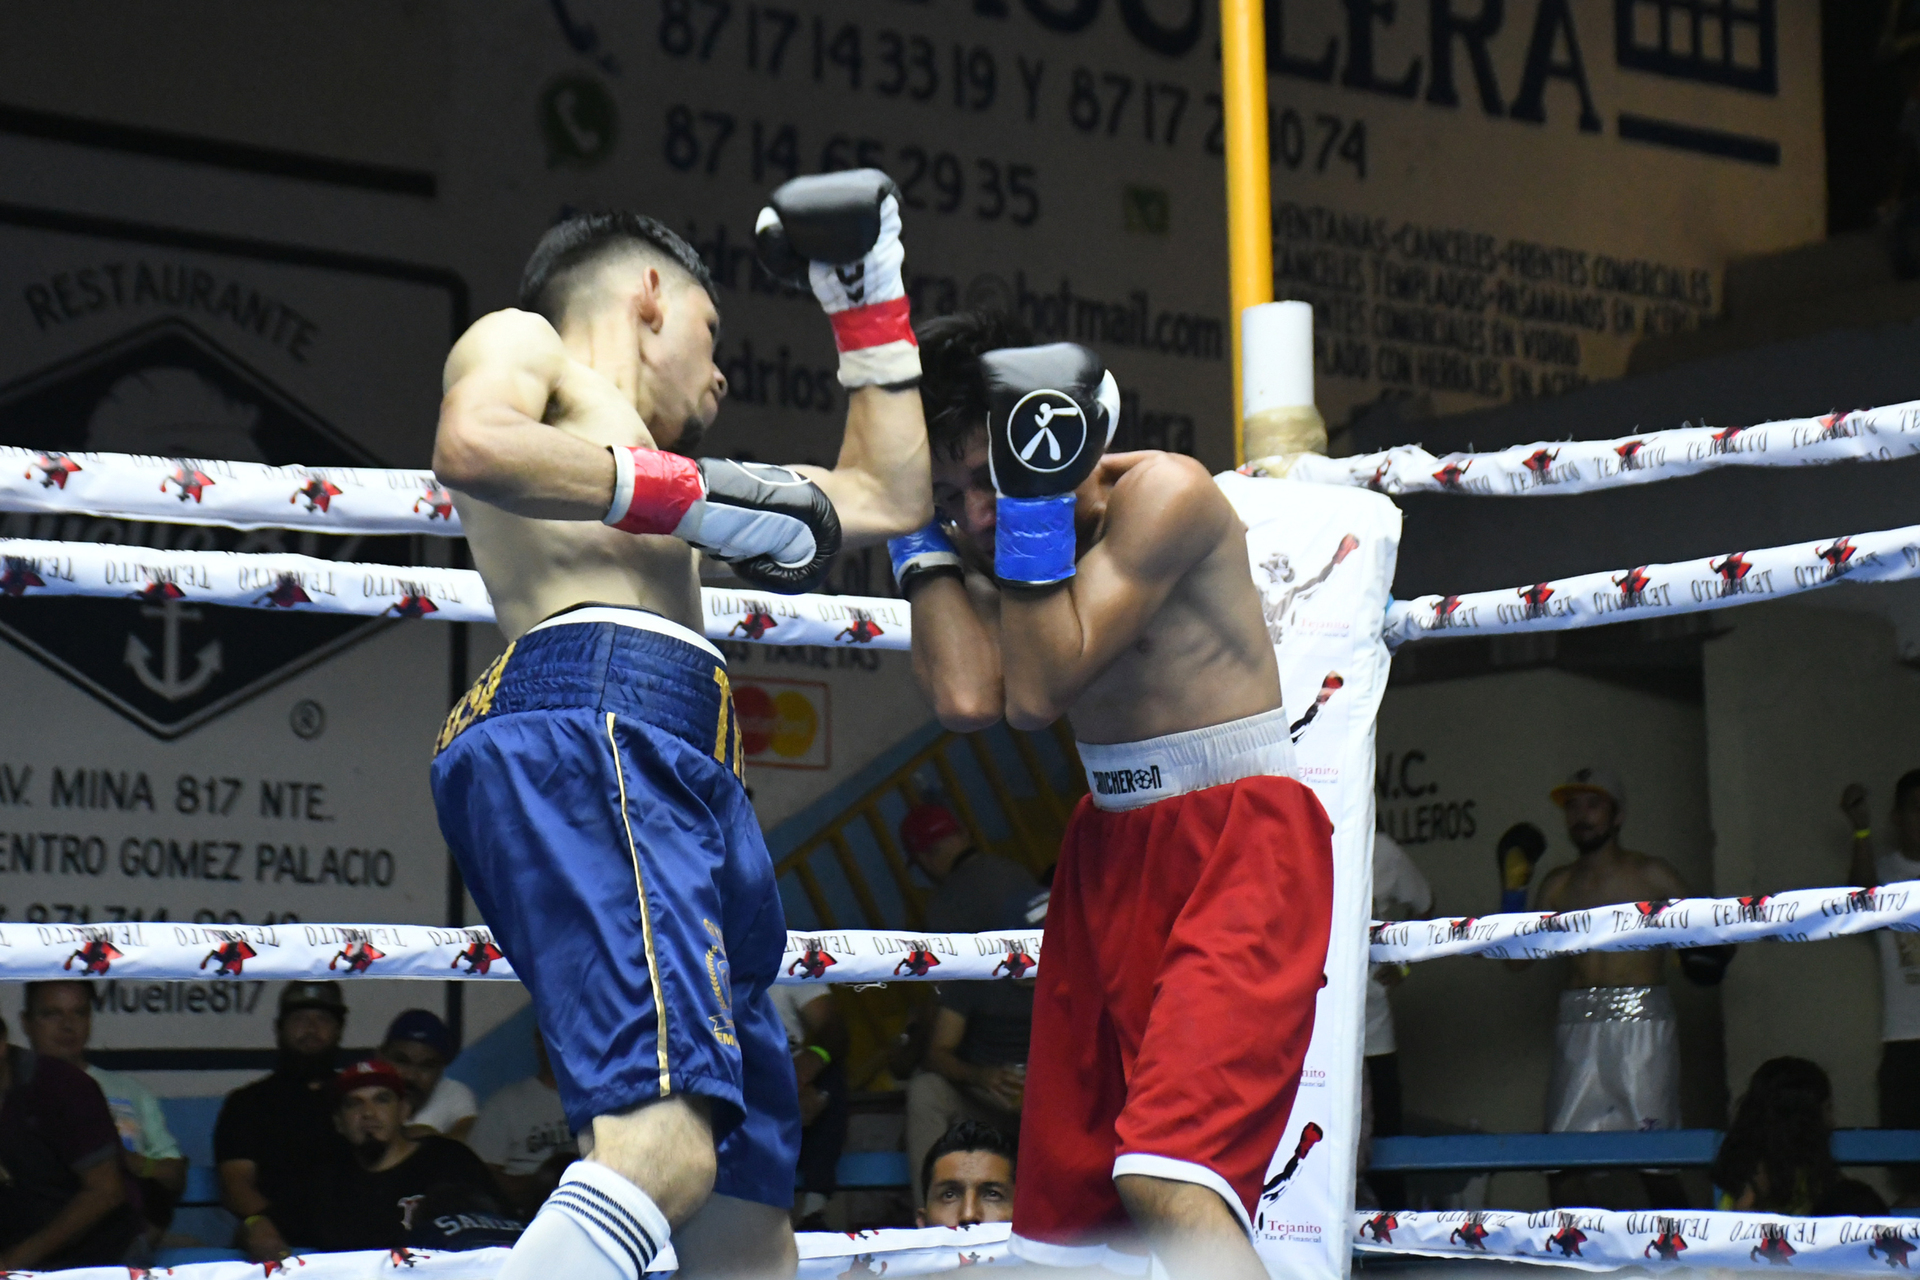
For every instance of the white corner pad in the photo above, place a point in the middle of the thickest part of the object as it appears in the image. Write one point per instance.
(1184, 1171)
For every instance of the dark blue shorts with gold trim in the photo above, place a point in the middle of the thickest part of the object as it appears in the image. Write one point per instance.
(589, 787)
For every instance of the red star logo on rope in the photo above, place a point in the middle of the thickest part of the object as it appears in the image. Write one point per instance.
(188, 478)
(19, 577)
(318, 493)
(54, 468)
(439, 502)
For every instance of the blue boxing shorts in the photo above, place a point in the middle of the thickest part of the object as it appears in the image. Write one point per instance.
(589, 787)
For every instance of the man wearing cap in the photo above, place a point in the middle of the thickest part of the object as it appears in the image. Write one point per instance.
(398, 1189)
(419, 1046)
(976, 1060)
(1616, 1046)
(275, 1141)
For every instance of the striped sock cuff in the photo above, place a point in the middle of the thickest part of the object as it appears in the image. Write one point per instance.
(621, 1218)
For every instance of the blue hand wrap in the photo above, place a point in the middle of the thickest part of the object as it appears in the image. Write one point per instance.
(1513, 900)
(1033, 539)
(905, 549)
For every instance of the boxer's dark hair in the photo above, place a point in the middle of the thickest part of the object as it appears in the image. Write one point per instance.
(583, 238)
(951, 394)
(968, 1135)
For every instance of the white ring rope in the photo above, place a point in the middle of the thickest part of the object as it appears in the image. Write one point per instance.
(1660, 590)
(305, 584)
(235, 495)
(1582, 466)
(379, 501)
(1587, 1239)
(166, 951)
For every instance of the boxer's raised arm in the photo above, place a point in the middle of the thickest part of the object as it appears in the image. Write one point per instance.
(1164, 517)
(956, 650)
(494, 442)
(881, 486)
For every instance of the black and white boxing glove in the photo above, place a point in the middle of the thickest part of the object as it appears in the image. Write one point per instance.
(844, 230)
(775, 527)
(1051, 412)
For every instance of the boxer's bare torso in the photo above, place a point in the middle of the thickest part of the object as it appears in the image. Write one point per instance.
(1199, 654)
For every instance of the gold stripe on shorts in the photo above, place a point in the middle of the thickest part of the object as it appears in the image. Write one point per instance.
(646, 916)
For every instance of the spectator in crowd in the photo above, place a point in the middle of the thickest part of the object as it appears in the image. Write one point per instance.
(275, 1140)
(1778, 1153)
(64, 1200)
(1617, 1046)
(523, 1138)
(968, 1174)
(817, 1035)
(1898, 858)
(399, 1190)
(419, 1046)
(1400, 892)
(975, 1065)
(58, 1019)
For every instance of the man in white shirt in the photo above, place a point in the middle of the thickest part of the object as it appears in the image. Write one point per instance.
(58, 1019)
(1899, 958)
(420, 1046)
(522, 1136)
(1400, 892)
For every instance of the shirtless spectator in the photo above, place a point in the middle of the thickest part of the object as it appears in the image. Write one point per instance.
(1896, 858)
(1616, 1062)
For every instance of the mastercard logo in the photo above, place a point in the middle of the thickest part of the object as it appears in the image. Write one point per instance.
(784, 723)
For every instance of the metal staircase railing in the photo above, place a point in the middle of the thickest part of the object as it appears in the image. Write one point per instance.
(1012, 791)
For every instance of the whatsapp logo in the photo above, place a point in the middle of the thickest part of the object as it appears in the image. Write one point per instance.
(579, 121)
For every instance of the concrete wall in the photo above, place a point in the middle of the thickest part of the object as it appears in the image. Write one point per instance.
(1802, 700)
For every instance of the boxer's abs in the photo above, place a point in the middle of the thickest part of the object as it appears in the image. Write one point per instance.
(535, 568)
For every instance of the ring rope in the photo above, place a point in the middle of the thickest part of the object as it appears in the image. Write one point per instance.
(1546, 468)
(1660, 590)
(168, 951)
(1590, 1239)
(306, 584)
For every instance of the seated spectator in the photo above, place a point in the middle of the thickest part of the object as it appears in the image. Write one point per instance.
(1778, 1153)
(523, 1137)
(419, 1046)
(817, 1037)
(968, 1174)
(58, 1019)
(399, 1190)
(64, 1200)
(275, 1140)
(976, 1053)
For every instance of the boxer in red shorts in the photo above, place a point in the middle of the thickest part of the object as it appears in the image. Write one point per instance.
(1187, 931)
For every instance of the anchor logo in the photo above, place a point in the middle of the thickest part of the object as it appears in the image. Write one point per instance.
(168, 681)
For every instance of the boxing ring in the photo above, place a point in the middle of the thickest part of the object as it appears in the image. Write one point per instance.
(1321, 547)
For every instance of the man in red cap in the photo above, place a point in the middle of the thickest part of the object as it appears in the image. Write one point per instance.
(399, 1190)
(976, 1056)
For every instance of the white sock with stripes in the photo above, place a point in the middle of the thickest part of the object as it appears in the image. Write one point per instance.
(595, 1226)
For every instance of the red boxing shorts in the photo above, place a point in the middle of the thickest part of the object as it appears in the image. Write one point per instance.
(1184, 948)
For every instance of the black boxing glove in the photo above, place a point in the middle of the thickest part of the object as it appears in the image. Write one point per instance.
(1050, 413)
(776, 528)
(841, 233)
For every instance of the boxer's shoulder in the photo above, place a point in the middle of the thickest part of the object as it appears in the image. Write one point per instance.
(507, 339)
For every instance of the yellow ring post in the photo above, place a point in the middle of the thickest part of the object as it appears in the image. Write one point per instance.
(1243, 73)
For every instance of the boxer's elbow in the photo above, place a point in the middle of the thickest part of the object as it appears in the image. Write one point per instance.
(968, 710)
(1029, 709)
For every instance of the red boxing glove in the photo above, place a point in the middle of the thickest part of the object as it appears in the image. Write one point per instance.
(652, 490)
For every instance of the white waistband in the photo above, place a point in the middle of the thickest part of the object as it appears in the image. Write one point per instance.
(1128, 775)
(638, 619)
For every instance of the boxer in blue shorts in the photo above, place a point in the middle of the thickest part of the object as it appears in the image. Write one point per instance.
(590, 784)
